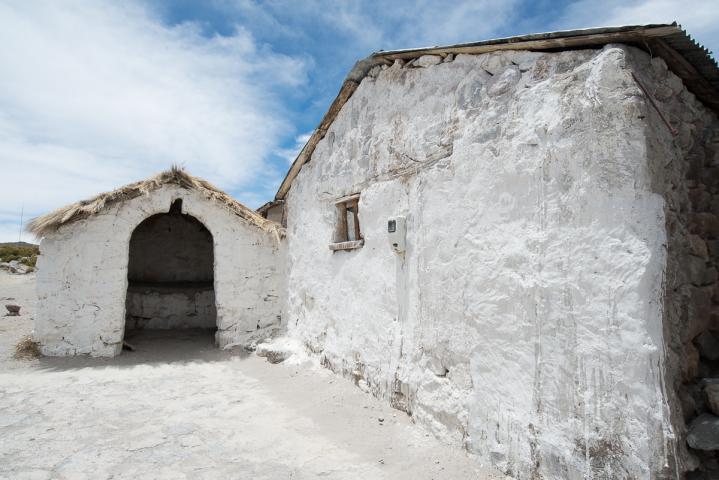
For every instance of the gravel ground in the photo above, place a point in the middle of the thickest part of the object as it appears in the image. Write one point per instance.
(177, 408)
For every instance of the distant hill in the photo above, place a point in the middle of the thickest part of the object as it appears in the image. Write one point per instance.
(17, 244)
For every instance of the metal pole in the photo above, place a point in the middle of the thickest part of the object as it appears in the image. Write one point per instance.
(19, 235)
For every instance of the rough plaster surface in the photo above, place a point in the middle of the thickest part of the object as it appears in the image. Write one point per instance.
(82, 275)
(524, 321)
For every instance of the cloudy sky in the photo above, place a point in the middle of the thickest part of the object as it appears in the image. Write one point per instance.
(95, 94)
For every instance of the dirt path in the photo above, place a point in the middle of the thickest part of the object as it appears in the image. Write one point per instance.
(177, 408)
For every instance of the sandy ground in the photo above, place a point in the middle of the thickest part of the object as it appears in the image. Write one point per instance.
(177, 408)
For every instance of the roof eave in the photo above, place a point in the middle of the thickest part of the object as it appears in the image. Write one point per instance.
(543, 41)
(668, 41)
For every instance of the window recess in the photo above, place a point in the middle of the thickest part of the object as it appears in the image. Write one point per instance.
(348, 234)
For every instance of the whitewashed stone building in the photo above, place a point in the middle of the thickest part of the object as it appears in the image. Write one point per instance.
(169, 252)
(513, 241)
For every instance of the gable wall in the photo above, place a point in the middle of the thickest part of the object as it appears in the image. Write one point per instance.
(524, 320)
(82, 276)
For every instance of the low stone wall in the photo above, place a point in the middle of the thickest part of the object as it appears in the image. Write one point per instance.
(170, 307)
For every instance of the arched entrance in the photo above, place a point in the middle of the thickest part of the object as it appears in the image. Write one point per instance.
(170, 278)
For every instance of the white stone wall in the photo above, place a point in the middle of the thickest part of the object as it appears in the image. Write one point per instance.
(82, 276)
(524, 320)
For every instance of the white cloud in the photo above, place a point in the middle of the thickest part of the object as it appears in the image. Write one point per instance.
(372, 26)
(290, 154)
(699, 17)
(96, 94)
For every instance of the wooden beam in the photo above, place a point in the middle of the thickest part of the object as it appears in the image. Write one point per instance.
(347, 198)
(681, 67)
(342, 232)
(358, 234)
(346, 245)
(547, 43)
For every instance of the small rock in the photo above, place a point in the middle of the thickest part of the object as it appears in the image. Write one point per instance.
(13, 310)
(663, 93)
(698, 247)
(704, 432)
(277, 357)
(712, 395)
(700, 198)
(7, 267)
(504, 82)
(713, 247)
(711, 275)
(700, 312)
(494, 63)
(688, 404)
(674, 82)
(690, 365)
(449, 58)
(708, 345)
(705, 224)
(274, 352)
(659, 66)
(427, 61)
(14, 266)
(696, 267)
(374, 71)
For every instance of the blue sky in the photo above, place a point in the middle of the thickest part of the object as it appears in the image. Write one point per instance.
(96, 94)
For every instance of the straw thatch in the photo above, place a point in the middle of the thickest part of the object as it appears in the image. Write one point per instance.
(49, 223)
(27, 349)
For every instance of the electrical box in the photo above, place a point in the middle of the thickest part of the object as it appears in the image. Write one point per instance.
(396, 232)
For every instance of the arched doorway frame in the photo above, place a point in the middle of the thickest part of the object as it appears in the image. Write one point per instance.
(189, 209)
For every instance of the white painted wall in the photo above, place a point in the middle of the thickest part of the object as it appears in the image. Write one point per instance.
(82, 275)
(524, 320)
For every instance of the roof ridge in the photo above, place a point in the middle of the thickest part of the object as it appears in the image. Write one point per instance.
(51, 222)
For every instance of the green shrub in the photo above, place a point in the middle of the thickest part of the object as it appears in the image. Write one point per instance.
(26, 255)
(29, 261)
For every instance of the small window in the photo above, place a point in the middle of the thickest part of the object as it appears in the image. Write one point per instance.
(348, 234)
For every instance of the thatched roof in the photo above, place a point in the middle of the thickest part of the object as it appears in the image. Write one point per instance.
(49, 223)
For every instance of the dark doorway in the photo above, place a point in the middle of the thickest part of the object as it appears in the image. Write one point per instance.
(170, 279)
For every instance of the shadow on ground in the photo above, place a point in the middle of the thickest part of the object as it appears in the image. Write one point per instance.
(153, 347)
